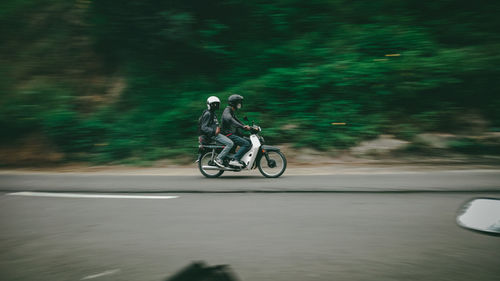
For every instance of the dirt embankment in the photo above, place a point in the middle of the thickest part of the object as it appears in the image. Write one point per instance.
(384, 154)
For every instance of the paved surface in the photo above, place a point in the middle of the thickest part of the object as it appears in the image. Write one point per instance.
(384, 180)
(279, 237)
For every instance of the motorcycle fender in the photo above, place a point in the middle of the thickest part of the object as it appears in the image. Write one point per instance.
(262, 150)
(269, 148)
(201, 151)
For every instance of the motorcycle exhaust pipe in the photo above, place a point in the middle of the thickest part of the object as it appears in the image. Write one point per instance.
(211, 168)
(204, 167)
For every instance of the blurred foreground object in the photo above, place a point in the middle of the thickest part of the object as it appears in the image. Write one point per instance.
(481, 214)
(198, 271)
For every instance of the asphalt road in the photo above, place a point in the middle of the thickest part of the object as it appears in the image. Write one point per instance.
(291, 236)
(422, 181)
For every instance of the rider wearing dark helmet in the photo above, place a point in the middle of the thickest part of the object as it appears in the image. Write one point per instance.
(230, 128)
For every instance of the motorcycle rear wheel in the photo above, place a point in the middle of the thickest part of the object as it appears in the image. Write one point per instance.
(206, 160)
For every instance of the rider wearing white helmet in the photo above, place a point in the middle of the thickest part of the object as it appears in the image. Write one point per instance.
(209, 129)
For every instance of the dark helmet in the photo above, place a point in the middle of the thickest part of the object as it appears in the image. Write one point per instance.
(234, 100)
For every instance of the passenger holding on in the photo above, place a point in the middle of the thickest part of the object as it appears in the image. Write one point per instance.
(209, 129)
(230, 128)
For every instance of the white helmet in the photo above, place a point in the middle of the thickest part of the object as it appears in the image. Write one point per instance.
(213, 103)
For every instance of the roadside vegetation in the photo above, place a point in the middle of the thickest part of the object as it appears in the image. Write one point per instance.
(111, 81)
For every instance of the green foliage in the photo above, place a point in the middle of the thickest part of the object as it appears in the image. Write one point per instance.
(72, 134)
(473, 146)
(399, 67)
(22, 111)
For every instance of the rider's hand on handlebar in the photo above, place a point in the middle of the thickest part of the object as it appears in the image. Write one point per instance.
(246, 127)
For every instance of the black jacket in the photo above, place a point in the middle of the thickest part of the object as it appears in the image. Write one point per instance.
(208, 124)
(230, 124)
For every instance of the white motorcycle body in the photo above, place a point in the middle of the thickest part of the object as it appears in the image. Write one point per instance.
(269, 159)
(251, 155)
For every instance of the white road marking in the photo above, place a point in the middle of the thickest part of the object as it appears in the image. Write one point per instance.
(107, 272)
(77, 195)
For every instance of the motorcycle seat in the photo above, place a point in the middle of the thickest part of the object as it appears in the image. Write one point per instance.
(209, 143)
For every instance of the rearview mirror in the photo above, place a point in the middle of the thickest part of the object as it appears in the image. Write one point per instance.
(245, 118)
(481, 214)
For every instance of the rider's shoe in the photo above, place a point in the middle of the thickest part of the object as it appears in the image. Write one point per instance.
(235, 163)
(219, 163)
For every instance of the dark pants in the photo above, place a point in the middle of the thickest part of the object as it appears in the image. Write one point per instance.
(244, 146)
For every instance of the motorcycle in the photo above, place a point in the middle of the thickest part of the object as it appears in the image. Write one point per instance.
(270, 161)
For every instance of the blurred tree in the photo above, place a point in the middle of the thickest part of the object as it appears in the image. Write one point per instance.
(384, 66)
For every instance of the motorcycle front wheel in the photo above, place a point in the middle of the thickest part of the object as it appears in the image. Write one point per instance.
(273, 166)
(206, 161)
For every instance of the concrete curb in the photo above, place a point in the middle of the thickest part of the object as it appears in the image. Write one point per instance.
(309, 170)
